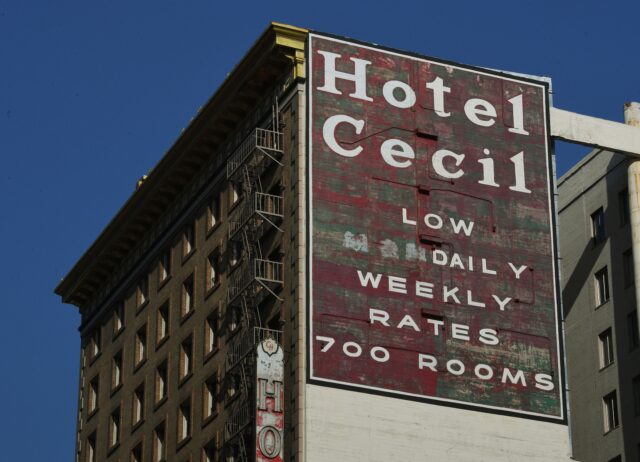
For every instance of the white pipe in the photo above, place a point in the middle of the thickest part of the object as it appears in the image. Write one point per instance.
(632, 118)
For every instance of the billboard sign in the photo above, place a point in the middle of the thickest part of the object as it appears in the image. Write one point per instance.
(432, 257)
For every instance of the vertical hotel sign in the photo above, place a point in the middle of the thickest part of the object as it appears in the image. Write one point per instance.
(431, 224)
(269, 401)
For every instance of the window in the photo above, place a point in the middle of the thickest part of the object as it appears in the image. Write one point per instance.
(114, 428)
(627, 266)
(636, 395)
(234, 193)
(187, 297)
(164, 266)
(597, 226)
(138, 405)
(142, 291)
(91, 448)
(94, 345)
(610, 403)
(188, 240)
(118, 318)
(186, 357)
(602, 286)
(234, 253)
(211, 333)
(184, 420)
(213, 212)
(162, 323)
(233, 321)
(213, 270)
(632, 330)
(209, 397)
(605, 342)
(116, 370)
(209, 451)
(161, 383)
(140, 346)
(94, 393)
(623, 205)
(159, 443)
(136, 453)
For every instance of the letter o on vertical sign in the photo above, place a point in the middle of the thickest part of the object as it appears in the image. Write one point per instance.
(270, 441)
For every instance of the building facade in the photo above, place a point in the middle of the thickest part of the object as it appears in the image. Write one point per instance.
(601, 315)
(212, 258)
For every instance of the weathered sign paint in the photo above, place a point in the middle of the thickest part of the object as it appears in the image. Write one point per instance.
(432, 258)
(269, 401)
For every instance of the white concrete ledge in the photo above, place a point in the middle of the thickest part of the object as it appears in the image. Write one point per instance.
(594, 132)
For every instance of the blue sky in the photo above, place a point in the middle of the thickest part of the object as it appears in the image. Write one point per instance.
(93, 93)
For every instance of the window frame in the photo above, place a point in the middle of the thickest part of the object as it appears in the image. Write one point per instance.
(164, 267)
(187, 296)
(598, 227)
(602, 292)
(610, 411)
(163, 323)
(606, 348)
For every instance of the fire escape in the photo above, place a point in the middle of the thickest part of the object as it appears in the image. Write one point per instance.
(254, 280)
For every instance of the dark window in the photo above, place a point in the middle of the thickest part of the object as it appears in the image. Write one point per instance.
(188, 239)
(184, 420)
(138, 405)
(187, 302)
(94, 394)
(140, 346)
(213, 269)
(116, 370)
(186, 357)
(142, 291)
(211, 333)
(164, 266)
(610, 403)
(162, 323)
(605, 341)
(114, 428)
(209, 397)
(209, 451)
(602, 286)
(597, 226)
(627, 266)
(95, 343)
(136, 453)
(90, 451)
(623, 204)
(632, 330)
(159, 443)
(636, 395)
(213, 212)
(161, 383)
(118, 318)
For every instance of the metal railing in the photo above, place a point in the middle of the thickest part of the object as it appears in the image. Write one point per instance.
(238, 420)
(269, 142)
(265, 272)
(268, 206)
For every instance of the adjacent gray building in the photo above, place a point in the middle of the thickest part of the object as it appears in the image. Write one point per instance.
(600, 310)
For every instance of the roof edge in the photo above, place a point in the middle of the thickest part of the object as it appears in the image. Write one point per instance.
(276, 35)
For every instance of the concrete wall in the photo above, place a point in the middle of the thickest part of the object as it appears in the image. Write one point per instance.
(349, 426)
